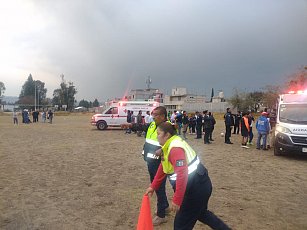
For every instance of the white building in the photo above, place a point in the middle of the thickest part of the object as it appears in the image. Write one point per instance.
(180, 99)
(145, 94)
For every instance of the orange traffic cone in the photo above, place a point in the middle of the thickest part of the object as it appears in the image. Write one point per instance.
(145, 221)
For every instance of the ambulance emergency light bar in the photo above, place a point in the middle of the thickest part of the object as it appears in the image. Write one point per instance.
(299, 96)
(147, 103)
(298, 92)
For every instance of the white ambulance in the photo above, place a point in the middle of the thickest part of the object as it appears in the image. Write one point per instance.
(291, 123)
(115, 115)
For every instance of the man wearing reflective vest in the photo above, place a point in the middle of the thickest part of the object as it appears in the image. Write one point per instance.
(190, 181)
(153, 161)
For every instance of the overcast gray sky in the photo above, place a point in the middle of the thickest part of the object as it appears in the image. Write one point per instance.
(108, 47)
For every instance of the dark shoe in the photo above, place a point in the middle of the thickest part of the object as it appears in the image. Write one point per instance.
(265, 149)
(230, 143)
(211, 140)
(258, 148)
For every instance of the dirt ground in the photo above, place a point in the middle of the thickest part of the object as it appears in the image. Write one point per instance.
(69, 175)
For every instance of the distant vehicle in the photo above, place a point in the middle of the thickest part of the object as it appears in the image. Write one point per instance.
(291, 123)
(80, 109)
(115, 115)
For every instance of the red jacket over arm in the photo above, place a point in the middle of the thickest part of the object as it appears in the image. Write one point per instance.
(178, 160)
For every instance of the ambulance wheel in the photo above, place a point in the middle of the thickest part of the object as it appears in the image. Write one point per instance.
(102, 125)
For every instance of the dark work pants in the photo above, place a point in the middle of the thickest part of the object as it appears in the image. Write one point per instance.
(195, 206)
(198, 131)
(162, 202)
(193, 128)
(210, 136)
(207, 135)
(228, 134)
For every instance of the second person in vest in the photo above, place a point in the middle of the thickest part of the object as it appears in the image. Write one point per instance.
(153, 161)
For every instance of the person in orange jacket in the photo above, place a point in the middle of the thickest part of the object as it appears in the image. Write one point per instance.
(245, 129)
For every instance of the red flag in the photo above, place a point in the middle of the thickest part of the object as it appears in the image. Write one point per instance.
(145, 221)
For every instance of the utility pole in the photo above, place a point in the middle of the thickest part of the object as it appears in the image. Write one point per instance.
(35, 95)
(148, 82)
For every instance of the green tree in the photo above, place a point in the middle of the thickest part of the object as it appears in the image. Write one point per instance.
(270, 95)
(2, 88)
(31, 91)
(236, 100)
(65, 95)
(255, 99)
(95, 103)
(244, 101)
(84, 103)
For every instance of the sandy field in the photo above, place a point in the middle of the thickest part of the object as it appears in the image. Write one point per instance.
(69, 175)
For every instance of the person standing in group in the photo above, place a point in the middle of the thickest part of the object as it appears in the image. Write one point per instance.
(185, 122)
(194, 124)
(15, 117)
(146, 122)
(133, 122)
(213, 122)
(244, 130)
(207, 127)
(173, 117)
(50, 116)
(251, 120)
(228, 124)
(269, 136)
(190, 181)
(169, 114)
(199, 124)
(237, 118)
(146, 118)
(178, 119)
(43, 116)
(128, 129)
(153, 161)
(26, 116)
(204, 115)
(263, 128)
(139, 122)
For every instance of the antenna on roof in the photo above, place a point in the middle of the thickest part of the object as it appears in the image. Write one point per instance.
(148, 82)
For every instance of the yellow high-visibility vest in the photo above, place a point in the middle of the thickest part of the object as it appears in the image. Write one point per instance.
(190, 155)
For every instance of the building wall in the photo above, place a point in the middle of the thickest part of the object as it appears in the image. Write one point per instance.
(180, 100)
(179, 91)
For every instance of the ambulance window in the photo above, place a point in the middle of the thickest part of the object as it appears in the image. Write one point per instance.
(115, 110)
(109, 111)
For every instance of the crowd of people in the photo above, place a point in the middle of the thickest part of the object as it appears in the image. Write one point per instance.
(26, 114)
(244, 122)
(196, 123)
